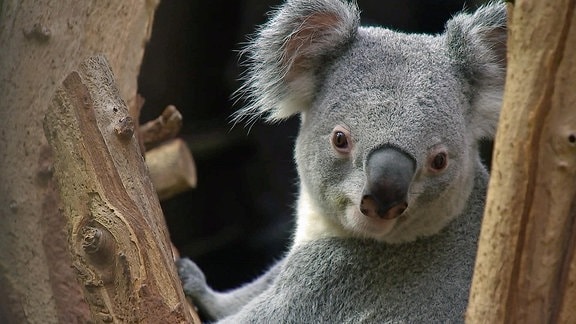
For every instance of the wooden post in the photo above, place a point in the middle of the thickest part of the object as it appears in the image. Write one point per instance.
(526, 264)
(117, 234)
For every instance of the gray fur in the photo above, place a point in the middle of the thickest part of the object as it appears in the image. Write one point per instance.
(421, 94)
(268, 86)
(335, 280)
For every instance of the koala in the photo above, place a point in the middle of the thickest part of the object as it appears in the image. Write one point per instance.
(391, 184)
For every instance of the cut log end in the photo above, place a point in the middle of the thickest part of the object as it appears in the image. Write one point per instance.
(172, 168)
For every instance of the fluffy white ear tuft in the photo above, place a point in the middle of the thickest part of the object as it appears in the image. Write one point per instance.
(477, 42)
(287, 53)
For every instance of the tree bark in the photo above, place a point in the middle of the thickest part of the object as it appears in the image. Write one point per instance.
(526, 264)
(40, 43)
(117, 233)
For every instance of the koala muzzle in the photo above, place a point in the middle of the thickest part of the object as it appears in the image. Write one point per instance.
(389, 172)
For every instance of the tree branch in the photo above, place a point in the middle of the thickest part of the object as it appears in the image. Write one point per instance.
(172, 168)
(118, 237)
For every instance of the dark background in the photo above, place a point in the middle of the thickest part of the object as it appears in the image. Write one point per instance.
(240, 217)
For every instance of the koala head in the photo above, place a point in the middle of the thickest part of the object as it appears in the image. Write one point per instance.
(390, 122)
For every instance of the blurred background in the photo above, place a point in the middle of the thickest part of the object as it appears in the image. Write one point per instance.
(239, 219)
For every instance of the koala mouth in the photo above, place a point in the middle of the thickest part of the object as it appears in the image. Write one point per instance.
(373, 225)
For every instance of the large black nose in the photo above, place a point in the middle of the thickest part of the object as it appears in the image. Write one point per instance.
(389, 172)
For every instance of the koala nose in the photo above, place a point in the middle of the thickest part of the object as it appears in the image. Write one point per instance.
(389, 172)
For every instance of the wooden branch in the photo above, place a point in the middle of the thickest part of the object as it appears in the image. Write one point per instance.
(526, 265)
(161, 129)
(172, 168)
(117, 235)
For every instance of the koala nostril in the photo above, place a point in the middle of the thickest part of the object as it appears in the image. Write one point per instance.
(368, 206)
(371, 208)
(396, 211)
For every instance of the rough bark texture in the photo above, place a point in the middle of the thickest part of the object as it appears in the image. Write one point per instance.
(117, 234)
(40, 43)
(526, 266)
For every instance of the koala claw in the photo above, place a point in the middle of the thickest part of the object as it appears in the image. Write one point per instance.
(193, 279)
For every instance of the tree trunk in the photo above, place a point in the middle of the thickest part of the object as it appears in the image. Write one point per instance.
(526, 265)
(117, 233)
(40, 43)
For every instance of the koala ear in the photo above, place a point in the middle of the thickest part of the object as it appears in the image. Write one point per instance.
(285, 58)
(477, 43)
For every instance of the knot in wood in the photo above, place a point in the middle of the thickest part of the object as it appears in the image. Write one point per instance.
(125, 128)
(91, 239)
(98, 244)
(38, 32)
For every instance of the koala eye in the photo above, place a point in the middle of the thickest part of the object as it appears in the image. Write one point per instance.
(439, 161)
(341, 140)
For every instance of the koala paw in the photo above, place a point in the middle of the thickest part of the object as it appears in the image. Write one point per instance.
(193, 279)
